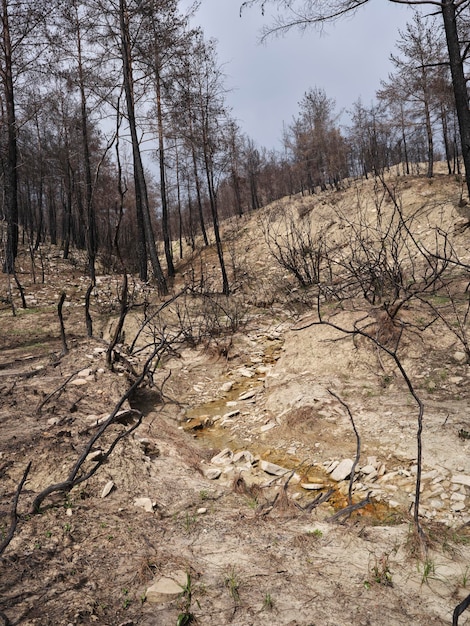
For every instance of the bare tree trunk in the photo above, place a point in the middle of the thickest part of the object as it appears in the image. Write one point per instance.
(458, 82)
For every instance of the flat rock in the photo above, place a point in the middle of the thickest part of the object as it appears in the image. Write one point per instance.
(243, 456)
(79, 382)
(246, 372)
(226, 387)
(342, 471)
(107, 488)
(212, 473)
(312, 486)
(167, 588)
(461, 479)
(224, 457)
(144, 503)
(272, 468)
(267, 427)
(247, 395)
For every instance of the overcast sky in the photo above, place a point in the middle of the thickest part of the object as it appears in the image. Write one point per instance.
(268, 80)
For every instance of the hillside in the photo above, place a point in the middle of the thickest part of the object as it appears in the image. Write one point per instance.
(252, 414)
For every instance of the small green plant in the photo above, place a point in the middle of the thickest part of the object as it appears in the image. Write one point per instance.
(380, 571)
(189, 521)
(268, 603)
(428, 570)
(126, 601)
(203, 494)
(316, 533)
(49, 533)
(252, 502)
(233, 586)
(186, 616)
(67, 528)
(465, 577)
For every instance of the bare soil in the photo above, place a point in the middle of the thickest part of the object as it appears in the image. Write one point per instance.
(254, 549)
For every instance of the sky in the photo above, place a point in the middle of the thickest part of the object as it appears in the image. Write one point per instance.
(267, 81)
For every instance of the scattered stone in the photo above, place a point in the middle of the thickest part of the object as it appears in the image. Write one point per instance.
(312, 486)
(167, 588)
(343, 470)
(224, 457)
(272, 468)
(96, 455)
(246, 372)
(227, 416)
(79, 381)
(461, 479)
(368, 469)
(226, 387)
(460, 357)
(201, 511)
(144, 503)
(212, 473)
(457, 506)
(267, 427)
(247, 395)
(244, 455)
(85, 373)
(107, 488)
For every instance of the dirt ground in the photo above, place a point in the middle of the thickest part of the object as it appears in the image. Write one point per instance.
(253, 543)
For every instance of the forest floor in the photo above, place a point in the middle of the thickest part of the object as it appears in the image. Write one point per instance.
(221, 504)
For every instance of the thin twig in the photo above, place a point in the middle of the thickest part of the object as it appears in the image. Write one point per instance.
(13, 513)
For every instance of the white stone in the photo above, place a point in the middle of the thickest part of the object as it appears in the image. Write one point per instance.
(246, 372)
(457, 506)
(461, 479)
(247, 395)
(460, 357)
(107, 488)
(312, 486)
(201, 511)
(167, 588)
(368, 469)
(243, 456)
(212, 473)
(223, 458)
(267, 427)
(226, 387)
(272, 468)
(343, 470)
(144, 503)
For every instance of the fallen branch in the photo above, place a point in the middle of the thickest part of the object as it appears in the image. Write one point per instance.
(75, 479)
(13, 513)
(350, 509)
(53, 393)
(459, 609)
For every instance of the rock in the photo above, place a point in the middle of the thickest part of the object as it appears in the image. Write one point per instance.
(227, 416)
(368, 469)
(96, 455)
(149, 447)
(459, 357)
(212, 473)
(79, 381)
(457, 497)
(247, 395)
(243, 456)
(85, 373)
(267, 427)
(343, 470)
(246, 372)
(272, 468)
(312, 486)
(226, 387)
(461, 479)
(144, 503)
(107, 489)
(223, 458)
(201, 511)
(167, 588)
(457, 506)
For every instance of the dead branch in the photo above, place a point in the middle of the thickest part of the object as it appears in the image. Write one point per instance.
(358, 444)
(65, 349)
(459, 609)
(322, 497)
(13, 513)
(88, 320)
(75, 479)
(56, 391)
(124, 301)
(350, 509)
